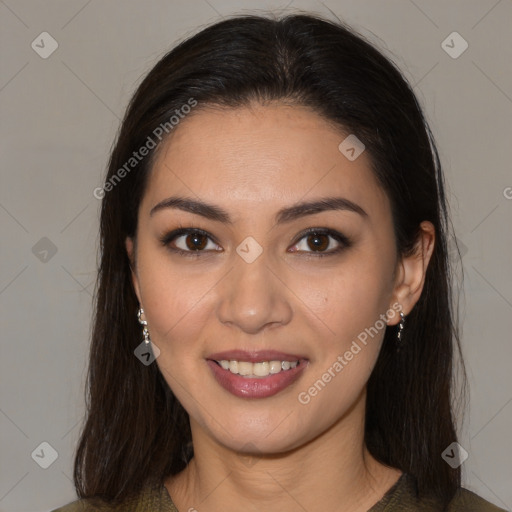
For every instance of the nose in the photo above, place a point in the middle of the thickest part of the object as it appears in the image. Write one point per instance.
(254, 297)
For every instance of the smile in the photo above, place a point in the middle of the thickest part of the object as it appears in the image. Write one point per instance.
(261, 369)
(260, 379)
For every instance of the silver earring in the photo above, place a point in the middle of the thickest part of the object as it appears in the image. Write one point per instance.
(145, 331)
(401, 327)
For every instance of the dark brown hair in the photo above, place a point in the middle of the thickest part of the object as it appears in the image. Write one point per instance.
(136, 431)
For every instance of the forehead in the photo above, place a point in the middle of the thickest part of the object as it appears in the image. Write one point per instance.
(275, 154)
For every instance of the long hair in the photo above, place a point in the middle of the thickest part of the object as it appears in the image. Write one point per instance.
(135, 430)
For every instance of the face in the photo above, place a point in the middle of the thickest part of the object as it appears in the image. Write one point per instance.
(252, 285)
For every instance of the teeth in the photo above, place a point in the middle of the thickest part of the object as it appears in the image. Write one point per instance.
(261, 369)
(275, 366)
(243, 368)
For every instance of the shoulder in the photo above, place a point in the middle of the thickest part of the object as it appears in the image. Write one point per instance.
(152, 497)
(75, 506)
(467, 501)
(85, 505)
(403, 497)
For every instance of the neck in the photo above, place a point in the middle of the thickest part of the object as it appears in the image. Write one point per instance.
(333, 472)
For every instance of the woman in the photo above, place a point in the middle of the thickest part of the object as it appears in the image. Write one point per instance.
(273, 327)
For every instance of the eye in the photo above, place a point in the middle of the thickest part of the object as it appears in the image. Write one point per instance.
(320, 240)
(194, 241)
(189, 241)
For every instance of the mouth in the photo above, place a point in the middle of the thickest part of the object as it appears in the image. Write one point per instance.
(256, 370)
(256, 374)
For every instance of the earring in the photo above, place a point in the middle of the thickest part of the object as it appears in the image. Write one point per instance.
(145, 331)
(401, 328)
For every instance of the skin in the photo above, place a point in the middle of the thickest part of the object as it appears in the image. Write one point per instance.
(252, 162)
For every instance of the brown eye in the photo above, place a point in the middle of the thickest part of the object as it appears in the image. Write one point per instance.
(321, 242)
(196, 241)
(318, 242)
(189, 242)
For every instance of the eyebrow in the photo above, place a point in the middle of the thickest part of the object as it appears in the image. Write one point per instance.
(288, 214)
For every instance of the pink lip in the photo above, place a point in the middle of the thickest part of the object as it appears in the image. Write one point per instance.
(255, 356)
(260, 387)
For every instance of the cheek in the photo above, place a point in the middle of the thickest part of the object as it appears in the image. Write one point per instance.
(353, 297)
(351, 305)
(176, 303)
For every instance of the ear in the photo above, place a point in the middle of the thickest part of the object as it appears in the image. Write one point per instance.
(410, 276)
(130, 249)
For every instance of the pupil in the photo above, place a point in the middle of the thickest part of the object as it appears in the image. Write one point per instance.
(317, 244)
(195, 245)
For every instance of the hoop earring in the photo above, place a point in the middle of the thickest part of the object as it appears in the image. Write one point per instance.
(145, 331)
(401, 326)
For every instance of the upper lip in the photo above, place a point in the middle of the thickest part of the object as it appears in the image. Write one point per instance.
(254, 356)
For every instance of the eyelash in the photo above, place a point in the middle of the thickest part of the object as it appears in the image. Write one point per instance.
(340, 238)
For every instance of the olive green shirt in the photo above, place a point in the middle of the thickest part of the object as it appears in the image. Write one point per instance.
(399, 498)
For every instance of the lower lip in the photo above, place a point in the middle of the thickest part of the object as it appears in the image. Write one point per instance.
(258, 387)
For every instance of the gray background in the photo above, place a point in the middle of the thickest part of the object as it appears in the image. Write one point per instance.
(59, 116)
